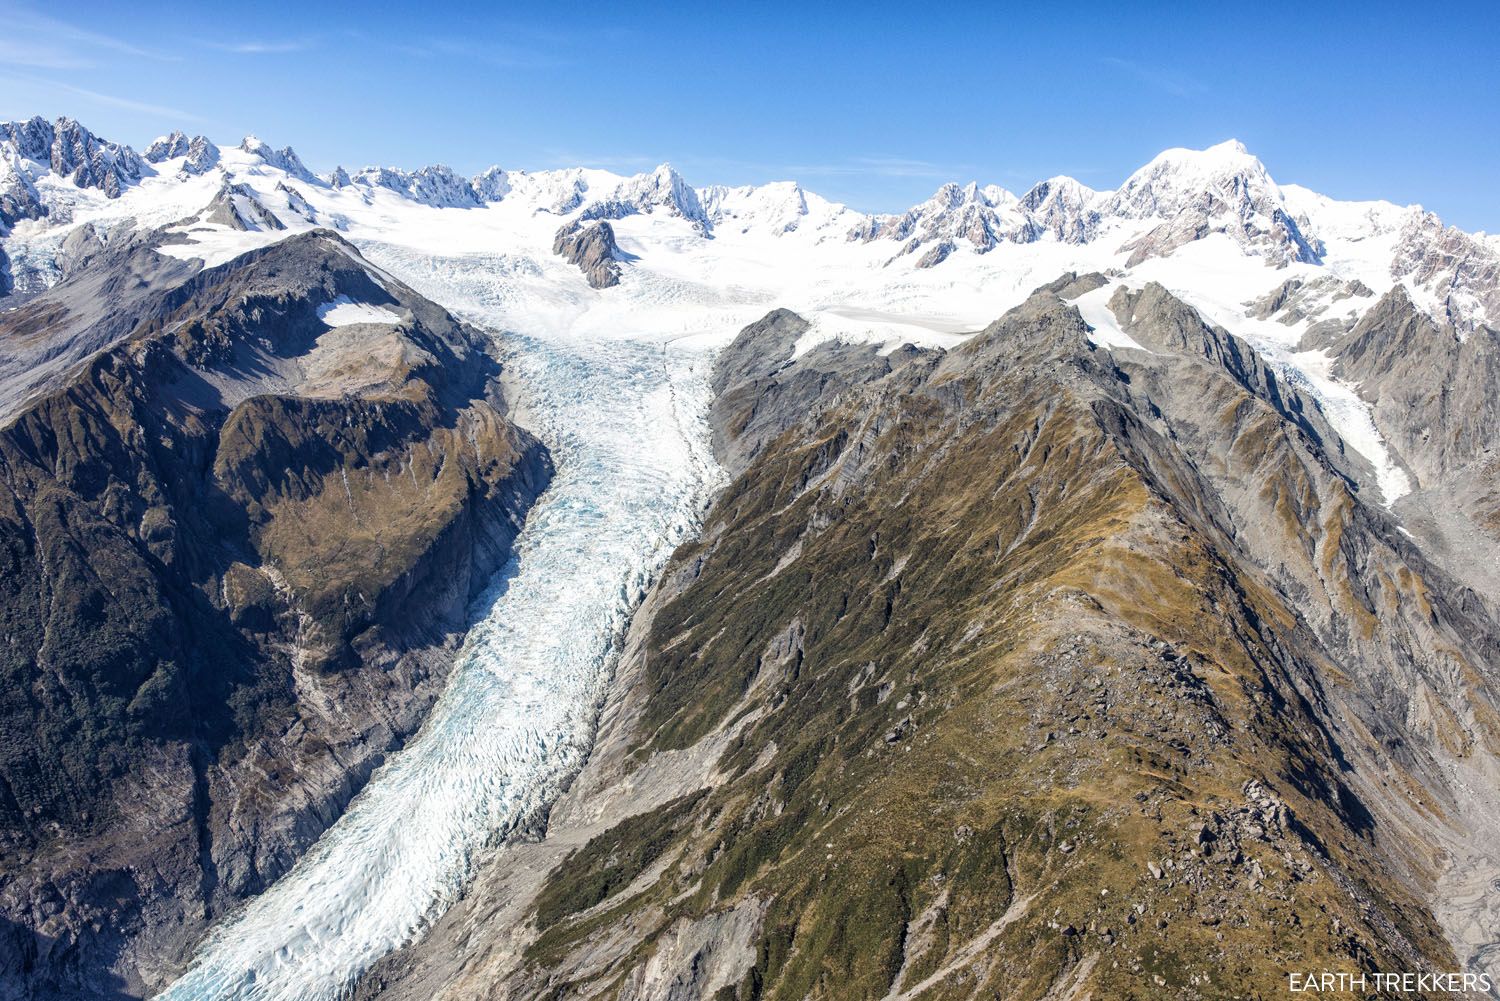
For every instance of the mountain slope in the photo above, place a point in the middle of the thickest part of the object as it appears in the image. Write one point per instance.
(1026, 669)
(238, 548)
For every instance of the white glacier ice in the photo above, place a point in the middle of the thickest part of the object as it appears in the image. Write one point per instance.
(624, 419)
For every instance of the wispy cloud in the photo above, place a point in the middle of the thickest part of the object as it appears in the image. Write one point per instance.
(1161, 78)
(896, 166)
(498, 54)
(108, 100)
(255, 47)
(62, 42)
(41, 56)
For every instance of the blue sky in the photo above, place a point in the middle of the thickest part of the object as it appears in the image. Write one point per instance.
(872, 104)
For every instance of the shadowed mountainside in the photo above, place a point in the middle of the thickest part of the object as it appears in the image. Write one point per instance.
(237, 550)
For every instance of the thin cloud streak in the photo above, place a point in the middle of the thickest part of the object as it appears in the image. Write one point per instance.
(494, 54)
(39, 56)
(1161, 78)
(110, 100)
(263, 48)
(23, 21)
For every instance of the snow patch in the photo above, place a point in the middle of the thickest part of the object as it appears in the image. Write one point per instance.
(217, 245)
(344, 312)
(1105, 329)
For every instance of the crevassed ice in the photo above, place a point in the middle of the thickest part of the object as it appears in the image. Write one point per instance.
(625, 421)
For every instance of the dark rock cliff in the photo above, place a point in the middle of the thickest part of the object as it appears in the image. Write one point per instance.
(592, 247)
(237, 549)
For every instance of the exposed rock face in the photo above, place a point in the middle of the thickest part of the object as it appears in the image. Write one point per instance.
(982, 217)
(663, 189)
(1295, 299)
(237, 547)
(1063, 207)
(19, 198)
(199, 155)
(1188, 194)
(592, 247)
(237, 207)
(492, 185)
(1462, 273)
(72, 151)
(30, 148)
(285, 158)
(760, 390)
(436, 185)
(1048, 671)
(98, 307)
(1434, 391)
(1436, 394)
(1219, 190)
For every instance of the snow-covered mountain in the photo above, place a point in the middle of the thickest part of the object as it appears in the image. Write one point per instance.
(1211, 224)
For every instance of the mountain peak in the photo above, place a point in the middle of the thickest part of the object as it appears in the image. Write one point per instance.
(663, 188)
(69, 150)
(1222, 189)
(285, 158)
(199, 155)
(435, 185)
(1228, 146)
(491, 184)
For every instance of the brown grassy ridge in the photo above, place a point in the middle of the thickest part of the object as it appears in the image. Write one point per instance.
(1026, 679)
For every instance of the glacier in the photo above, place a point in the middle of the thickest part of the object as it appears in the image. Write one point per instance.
(626, 421)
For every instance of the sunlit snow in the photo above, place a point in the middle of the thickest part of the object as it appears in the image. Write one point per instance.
(1104, 328)
(344, 312)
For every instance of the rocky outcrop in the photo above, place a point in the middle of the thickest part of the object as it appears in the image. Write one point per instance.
(285, 159)
(198, 154)
(237, 207)
(436, 185)
(1047, 671)
(762, 387)
(1297, 299)
(237, 548)
(1459, 271)
(1435, 392)
(72, 151)
(593, 249)
(19, 198)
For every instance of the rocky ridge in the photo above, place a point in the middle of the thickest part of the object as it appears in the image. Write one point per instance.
(238, 543)
(1051, 669)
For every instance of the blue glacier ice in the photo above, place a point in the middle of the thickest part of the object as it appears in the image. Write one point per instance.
(625, 419)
